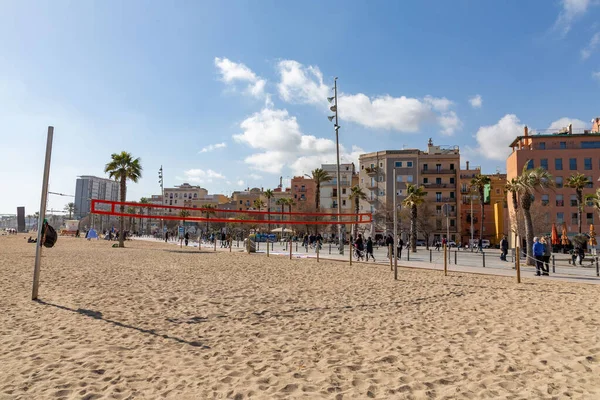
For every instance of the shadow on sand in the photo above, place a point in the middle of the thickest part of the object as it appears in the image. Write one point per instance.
(98, 315)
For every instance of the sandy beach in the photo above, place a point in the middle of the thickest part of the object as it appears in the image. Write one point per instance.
(155, 321)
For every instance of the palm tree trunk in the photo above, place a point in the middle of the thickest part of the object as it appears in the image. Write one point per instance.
(528, 228)
(579, 208)
(269, 215)
(122, 220)
(317, 203)
(413, 229)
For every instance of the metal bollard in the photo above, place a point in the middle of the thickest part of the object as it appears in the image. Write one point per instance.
(455, 255)
(430, 256)
(553, 264)
(317, 253)
(391, 257)
(329, 248)
(597, 269)
(296, 247)
(408, 254)
(483, 254)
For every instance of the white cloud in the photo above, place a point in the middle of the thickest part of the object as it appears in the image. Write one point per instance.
(301, 84)
(304, 85)
(240, 183)
(493, 140)
(565, 121)
(256, 177)
(212, 147)
(284, 144)
(571, 10)
(589, 49)
(200, 176)
(476, 101)
(232, 72)
(596, 75)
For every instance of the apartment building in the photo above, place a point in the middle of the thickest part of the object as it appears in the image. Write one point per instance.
(88, 187)
(563, 153)
(495, 222)
(329, 196)
(303, 191)
(435, 169)
(178, 195)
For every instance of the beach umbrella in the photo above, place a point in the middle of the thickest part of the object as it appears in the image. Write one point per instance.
(564, 238)
(554, 236)
(593, 241)
(279, 230)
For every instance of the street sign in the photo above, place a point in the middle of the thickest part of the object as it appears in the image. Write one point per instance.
(181, 232)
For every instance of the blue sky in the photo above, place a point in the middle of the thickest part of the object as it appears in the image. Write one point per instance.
(232, 94)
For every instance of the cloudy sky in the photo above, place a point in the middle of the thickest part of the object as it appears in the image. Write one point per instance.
(234, 94)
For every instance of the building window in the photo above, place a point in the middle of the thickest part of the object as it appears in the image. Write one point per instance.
(398, 164)
(452, 223)
(573, 200)
(590, 183)
(343, 202)
(497, 191)
(424, 167)
(170, 195)
(362, 167)
(399, 178)
(558, 164)
(574, 219)
(372, 165)
(452, 166)
(438, 181)
(382, 192)
(560, 217)
(185, 195)
(559, 200)
(175, 201)
(544, 163)
(438, 167)
(343, 190)
(545, 199)
(409, 164)
(362, 180)
(380, 178)
(587, 164)
(170, 202)
(463, 188)
(380, 165)
(530, 164)
(589, 218)
(452, 181)
(542, 146)
(590, 145)
(241, 202)
(409, 178)
(451, 195)
(558, 182)
(563, 145)
(573, 164)
(425, 180)
(438, 196)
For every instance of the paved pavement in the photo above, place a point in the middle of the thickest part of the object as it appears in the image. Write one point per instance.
(459, 260)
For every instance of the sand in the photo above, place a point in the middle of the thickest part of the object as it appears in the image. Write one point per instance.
(153, 321)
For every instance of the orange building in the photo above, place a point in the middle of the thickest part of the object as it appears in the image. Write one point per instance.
(563, 153)
(303, 192)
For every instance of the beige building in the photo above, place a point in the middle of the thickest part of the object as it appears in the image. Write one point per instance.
(329, 195)
(436, 169)
(179, 195)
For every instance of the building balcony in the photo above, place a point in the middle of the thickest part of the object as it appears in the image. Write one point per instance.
(439, 186)
(441, 214)
(438, 171)
(445, 200)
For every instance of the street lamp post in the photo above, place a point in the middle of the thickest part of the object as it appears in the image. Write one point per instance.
(334, 108)
(162, 194)
(471, 244)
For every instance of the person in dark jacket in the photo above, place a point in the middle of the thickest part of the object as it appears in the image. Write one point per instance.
(538, 254)
(370, 249)
(400, 247)
(389, 241)
(503, 248)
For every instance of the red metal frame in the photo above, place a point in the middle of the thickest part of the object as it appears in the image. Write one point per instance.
(361, 218)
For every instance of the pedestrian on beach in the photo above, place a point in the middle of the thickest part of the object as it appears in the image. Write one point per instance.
(547, 254)
(370, 249)
(166, 236)
(389, 241)
(400, 247)
(538, 254)
(187, 238)
(503, 248)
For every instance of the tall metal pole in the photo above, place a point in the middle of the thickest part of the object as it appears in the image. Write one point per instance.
(395, 244)
(337, 150)
(38, 248)
(447, 206)
(162, 194)
(471, 244)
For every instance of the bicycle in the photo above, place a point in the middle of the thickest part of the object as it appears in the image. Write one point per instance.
(358, 254)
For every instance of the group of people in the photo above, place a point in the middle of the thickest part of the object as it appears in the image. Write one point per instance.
(542, 250)
(312, 241)
(360, 245)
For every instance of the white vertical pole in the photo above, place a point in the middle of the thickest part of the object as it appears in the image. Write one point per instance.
(395, 244)
(38, 248)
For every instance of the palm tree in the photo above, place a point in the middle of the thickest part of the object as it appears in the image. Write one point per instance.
(70, 208)
(594, 198)
(269, 195)
(281, 202)
(320, 176)
(208, 210)
(130, 210)
(356, 195)
(414, 197)
(121, 168)
(578, 182)
(184, 214)
(512, 187)
(530, 182)
(479, 183)
(144, 200)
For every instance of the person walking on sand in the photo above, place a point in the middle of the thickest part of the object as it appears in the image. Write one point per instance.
(187, 238)
(400, 247)
(538, 254)
(547, 254)
(370, 249)
(389, 241)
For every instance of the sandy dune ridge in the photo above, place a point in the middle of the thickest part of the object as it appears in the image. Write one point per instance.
(156, 321)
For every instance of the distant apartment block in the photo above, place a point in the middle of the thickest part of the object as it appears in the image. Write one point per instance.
(89, 187)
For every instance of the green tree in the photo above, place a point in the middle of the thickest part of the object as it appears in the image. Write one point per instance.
(269, 195)
(145, 201)
(578, 182)
(594, 199)
(414, 197)
(320, 176)
(70, 208)
(356, 195)
(121, 168)
(478, 183)
(527, 184)
(130, 210)
(208, 210)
